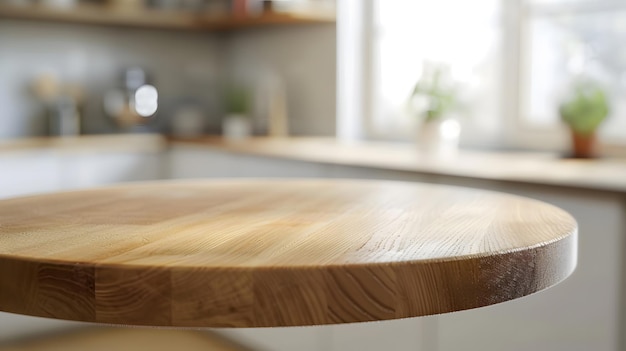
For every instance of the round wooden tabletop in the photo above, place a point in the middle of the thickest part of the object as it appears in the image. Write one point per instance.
(257, 253)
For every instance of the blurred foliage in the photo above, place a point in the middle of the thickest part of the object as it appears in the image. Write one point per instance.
(586, 108)
(237, 101)
(434, 95)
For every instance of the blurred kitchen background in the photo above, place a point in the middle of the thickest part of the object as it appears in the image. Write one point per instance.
(522, 96)
(191, 51)
(510, 65)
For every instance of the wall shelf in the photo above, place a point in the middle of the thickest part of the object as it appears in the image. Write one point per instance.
(105, 16)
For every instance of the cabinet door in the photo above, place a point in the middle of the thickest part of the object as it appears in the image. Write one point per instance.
(415, 334)
(28, 172)
(197, 162)
(418, 334)
(202, 162)
(269, 167)
(86, 170)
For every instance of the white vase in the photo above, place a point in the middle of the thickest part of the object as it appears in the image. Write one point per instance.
(439, 137)
(236, 127)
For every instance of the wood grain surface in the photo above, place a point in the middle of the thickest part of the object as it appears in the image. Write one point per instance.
(124, 339)
(257, 253)
(157, 19)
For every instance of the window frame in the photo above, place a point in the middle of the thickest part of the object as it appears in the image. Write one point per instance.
(355, 98)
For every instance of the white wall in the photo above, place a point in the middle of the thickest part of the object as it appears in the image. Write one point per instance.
(182, 63)
(304, 57)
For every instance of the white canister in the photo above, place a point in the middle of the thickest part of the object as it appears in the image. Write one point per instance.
(236, 127)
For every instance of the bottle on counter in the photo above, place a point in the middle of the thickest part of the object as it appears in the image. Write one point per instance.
(62, 104)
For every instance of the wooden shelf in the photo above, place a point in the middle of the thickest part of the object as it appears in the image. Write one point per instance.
(269, 19)
(98, 15)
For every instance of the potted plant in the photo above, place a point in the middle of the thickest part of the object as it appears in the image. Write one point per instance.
(583, 112)
(237, 123)
(434, 99)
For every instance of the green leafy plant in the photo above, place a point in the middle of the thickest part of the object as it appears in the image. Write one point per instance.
(237, 101)
(587, 107)
(436, 92)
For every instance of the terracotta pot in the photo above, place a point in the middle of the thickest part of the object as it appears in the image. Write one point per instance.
(583, 145)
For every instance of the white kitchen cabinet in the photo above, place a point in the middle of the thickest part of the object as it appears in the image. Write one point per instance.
(200, 162)
(28, 172)
(45, 170)
(263, 167)
(185, 162)
(353, 172)
(415, 334)
(91, 169)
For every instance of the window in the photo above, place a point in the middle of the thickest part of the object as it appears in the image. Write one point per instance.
(408, 35)
(512, 59)
(566, 39)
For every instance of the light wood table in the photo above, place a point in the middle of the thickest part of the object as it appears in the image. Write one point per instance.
(258, 253)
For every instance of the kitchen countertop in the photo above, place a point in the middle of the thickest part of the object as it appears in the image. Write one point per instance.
(88, 143)
(604, 174)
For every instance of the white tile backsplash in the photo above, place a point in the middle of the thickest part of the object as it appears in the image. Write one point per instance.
(183, 63)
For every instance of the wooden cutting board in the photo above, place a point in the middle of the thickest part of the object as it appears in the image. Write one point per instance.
(256, 253)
